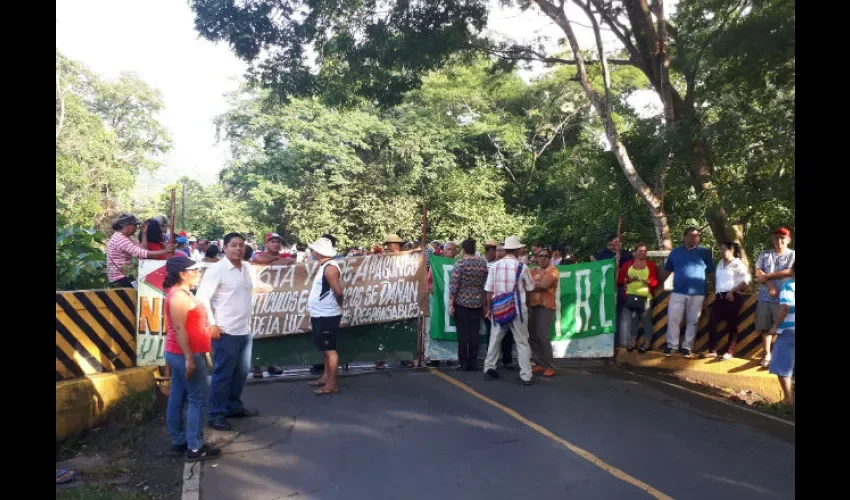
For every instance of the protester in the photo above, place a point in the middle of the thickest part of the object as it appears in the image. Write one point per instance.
(249, 252)
(690, 264)
(773, 269)
(120, 251)
(567, 256)
(393, 243)
(731, 277)
(271, 255)
(784, 327)
(182, 246)
(211, 255)
(154, 239)
(466, 300)
(610, 251)
(449, 250)
(435, 247)
(639, 277)
(507, 345)
(508, 281)
(186, 343)
(199, 253)
(541, 312)
(226, 293)
(325, 307)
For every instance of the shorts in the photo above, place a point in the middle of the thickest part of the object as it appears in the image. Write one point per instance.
(766, 313)
(782, 359)
(324, 332)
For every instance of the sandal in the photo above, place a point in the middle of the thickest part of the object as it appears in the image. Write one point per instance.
(324, 390)
(316, 383)
(63, 476)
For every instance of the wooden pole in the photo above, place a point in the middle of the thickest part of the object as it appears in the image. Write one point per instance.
(620, 245)
(171, 218)
(420, 344)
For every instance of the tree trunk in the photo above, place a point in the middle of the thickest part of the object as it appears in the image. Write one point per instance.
(603, 109)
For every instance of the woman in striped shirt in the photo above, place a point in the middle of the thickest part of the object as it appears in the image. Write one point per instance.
(121, 249)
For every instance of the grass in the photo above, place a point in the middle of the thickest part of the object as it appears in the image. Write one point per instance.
(780, 410)
(98, 492)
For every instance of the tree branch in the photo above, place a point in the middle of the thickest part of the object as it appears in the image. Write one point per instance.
(526, 54)
(606, 75)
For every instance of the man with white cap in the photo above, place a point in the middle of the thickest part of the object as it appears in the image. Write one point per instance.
(508, 276)
(325, 307)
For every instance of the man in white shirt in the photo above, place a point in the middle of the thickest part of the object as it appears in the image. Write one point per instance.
(501, 279)
(225, 291)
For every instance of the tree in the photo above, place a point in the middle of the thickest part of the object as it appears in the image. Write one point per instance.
(105, 133)
(210, 211)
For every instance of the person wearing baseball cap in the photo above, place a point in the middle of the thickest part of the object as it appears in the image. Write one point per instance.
(120, 251)
(773, 269)
(271, 255)
(187, 342)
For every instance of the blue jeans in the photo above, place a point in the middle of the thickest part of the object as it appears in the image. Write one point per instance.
(196, 390)
(232, 355)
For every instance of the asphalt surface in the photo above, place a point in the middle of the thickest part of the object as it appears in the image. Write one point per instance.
(412, 435)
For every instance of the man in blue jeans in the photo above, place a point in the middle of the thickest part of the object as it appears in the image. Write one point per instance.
(225, 291)
(690, 264)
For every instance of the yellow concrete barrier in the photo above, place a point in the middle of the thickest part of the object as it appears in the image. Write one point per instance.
(82, 403)
(736, 374)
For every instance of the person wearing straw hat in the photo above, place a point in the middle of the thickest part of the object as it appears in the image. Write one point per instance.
(325, 307)
(508, 276)
(393, 243)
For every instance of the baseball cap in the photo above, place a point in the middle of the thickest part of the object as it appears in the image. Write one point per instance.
(180, 263)
(181, 239)
(270, 236)
(182, 233)
(783, 231)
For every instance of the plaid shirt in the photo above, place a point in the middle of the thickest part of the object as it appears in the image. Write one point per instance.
(502, 277)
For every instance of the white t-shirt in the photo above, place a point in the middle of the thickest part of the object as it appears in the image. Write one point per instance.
(322, 301)
(730, 275)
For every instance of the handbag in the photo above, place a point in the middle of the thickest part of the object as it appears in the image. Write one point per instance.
(503, 306)
(635, 302)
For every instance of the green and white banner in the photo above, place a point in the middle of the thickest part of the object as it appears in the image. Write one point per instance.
(584, 301)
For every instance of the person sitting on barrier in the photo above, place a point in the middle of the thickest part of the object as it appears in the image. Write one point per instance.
(325, 306)
(732, 277)
(121, 249)
(186, 343)
(639, 277)
(784, 327)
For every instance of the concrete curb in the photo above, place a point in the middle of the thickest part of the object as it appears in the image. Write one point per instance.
(81, 403)
(736, 374)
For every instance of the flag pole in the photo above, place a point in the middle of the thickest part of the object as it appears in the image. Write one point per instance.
(420, 344)
(171, 218)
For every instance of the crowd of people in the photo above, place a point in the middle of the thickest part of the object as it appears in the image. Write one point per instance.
(512, 292)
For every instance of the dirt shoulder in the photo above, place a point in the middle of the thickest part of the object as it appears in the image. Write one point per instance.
(127, 458)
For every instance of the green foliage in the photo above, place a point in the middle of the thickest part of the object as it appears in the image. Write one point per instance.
(80, 259)
(106, 132)
(210, 211)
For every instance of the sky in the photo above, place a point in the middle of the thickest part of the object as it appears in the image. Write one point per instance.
(157, 40)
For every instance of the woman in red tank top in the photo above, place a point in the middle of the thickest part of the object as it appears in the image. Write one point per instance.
(186, 345)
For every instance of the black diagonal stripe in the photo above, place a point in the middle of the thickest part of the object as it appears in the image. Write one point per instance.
(59, 377)
(104, 322)
(124, 295)
(69, 337)
(69, 363)
(113, 307)
(88, 331)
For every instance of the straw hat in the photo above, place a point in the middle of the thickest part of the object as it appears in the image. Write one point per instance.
(491, 243)
(513, 243)
(323, 247)
(393, 238)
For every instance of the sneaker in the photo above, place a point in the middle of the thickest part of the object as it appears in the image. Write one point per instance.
(727, 356)
(258, 372)
(668, 351)
(273, 370)
(686, 353)
(549, 373)
(709, 354)
(538, 369)
(525, 382)
(203, 453)
(491, 375)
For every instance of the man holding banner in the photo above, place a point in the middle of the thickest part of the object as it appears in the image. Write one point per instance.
(507, 282)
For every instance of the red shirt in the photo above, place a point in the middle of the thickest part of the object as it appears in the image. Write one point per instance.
(153, 247)
(196, 326)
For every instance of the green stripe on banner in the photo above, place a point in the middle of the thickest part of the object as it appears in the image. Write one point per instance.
(585, 300)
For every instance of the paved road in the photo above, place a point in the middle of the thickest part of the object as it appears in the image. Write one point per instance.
(413, 435)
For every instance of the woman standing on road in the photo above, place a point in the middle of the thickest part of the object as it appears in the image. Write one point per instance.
(731, 277)
(466, 300)
(640, 276)
(541, 312)
(186, 345)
